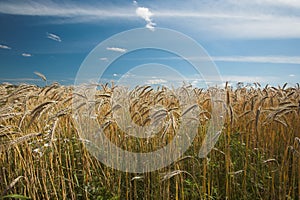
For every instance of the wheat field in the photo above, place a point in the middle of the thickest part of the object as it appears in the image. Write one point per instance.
(257, 156)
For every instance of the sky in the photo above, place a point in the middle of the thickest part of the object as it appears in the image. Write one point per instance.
(248, 40)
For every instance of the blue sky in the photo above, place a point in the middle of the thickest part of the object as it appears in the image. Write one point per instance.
(249, 40)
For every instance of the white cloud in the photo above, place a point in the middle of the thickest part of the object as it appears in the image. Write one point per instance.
(260, 59)
(292, 75)
(18, 79)
(272, 59)
(156, 81)
(235, 18)
(274, 27)
(288, 3)
(263, 80)
(103, 59)
(249, 79)
(50, 8)
(26, 55)
(117, 49)
(2, 46)
(146, 14)
(129, 75)
(232, 79)
(227, 19)
(54, 37)
(150, 26)
(234, 24)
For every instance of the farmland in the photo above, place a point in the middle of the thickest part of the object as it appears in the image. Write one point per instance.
(257, 156)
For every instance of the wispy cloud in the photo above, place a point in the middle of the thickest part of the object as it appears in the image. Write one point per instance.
(51, 8)
(2, 46)
(259, 59)
(233, 79)
(17, 79)
(103, 59)
(249, 79)
(271, 59)
(116, 49)
(269, 3)
(146, 14)
(228, 18)
(235, 18)
(26, 55)
(263, 80)
(53, 37)
(156, 81)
